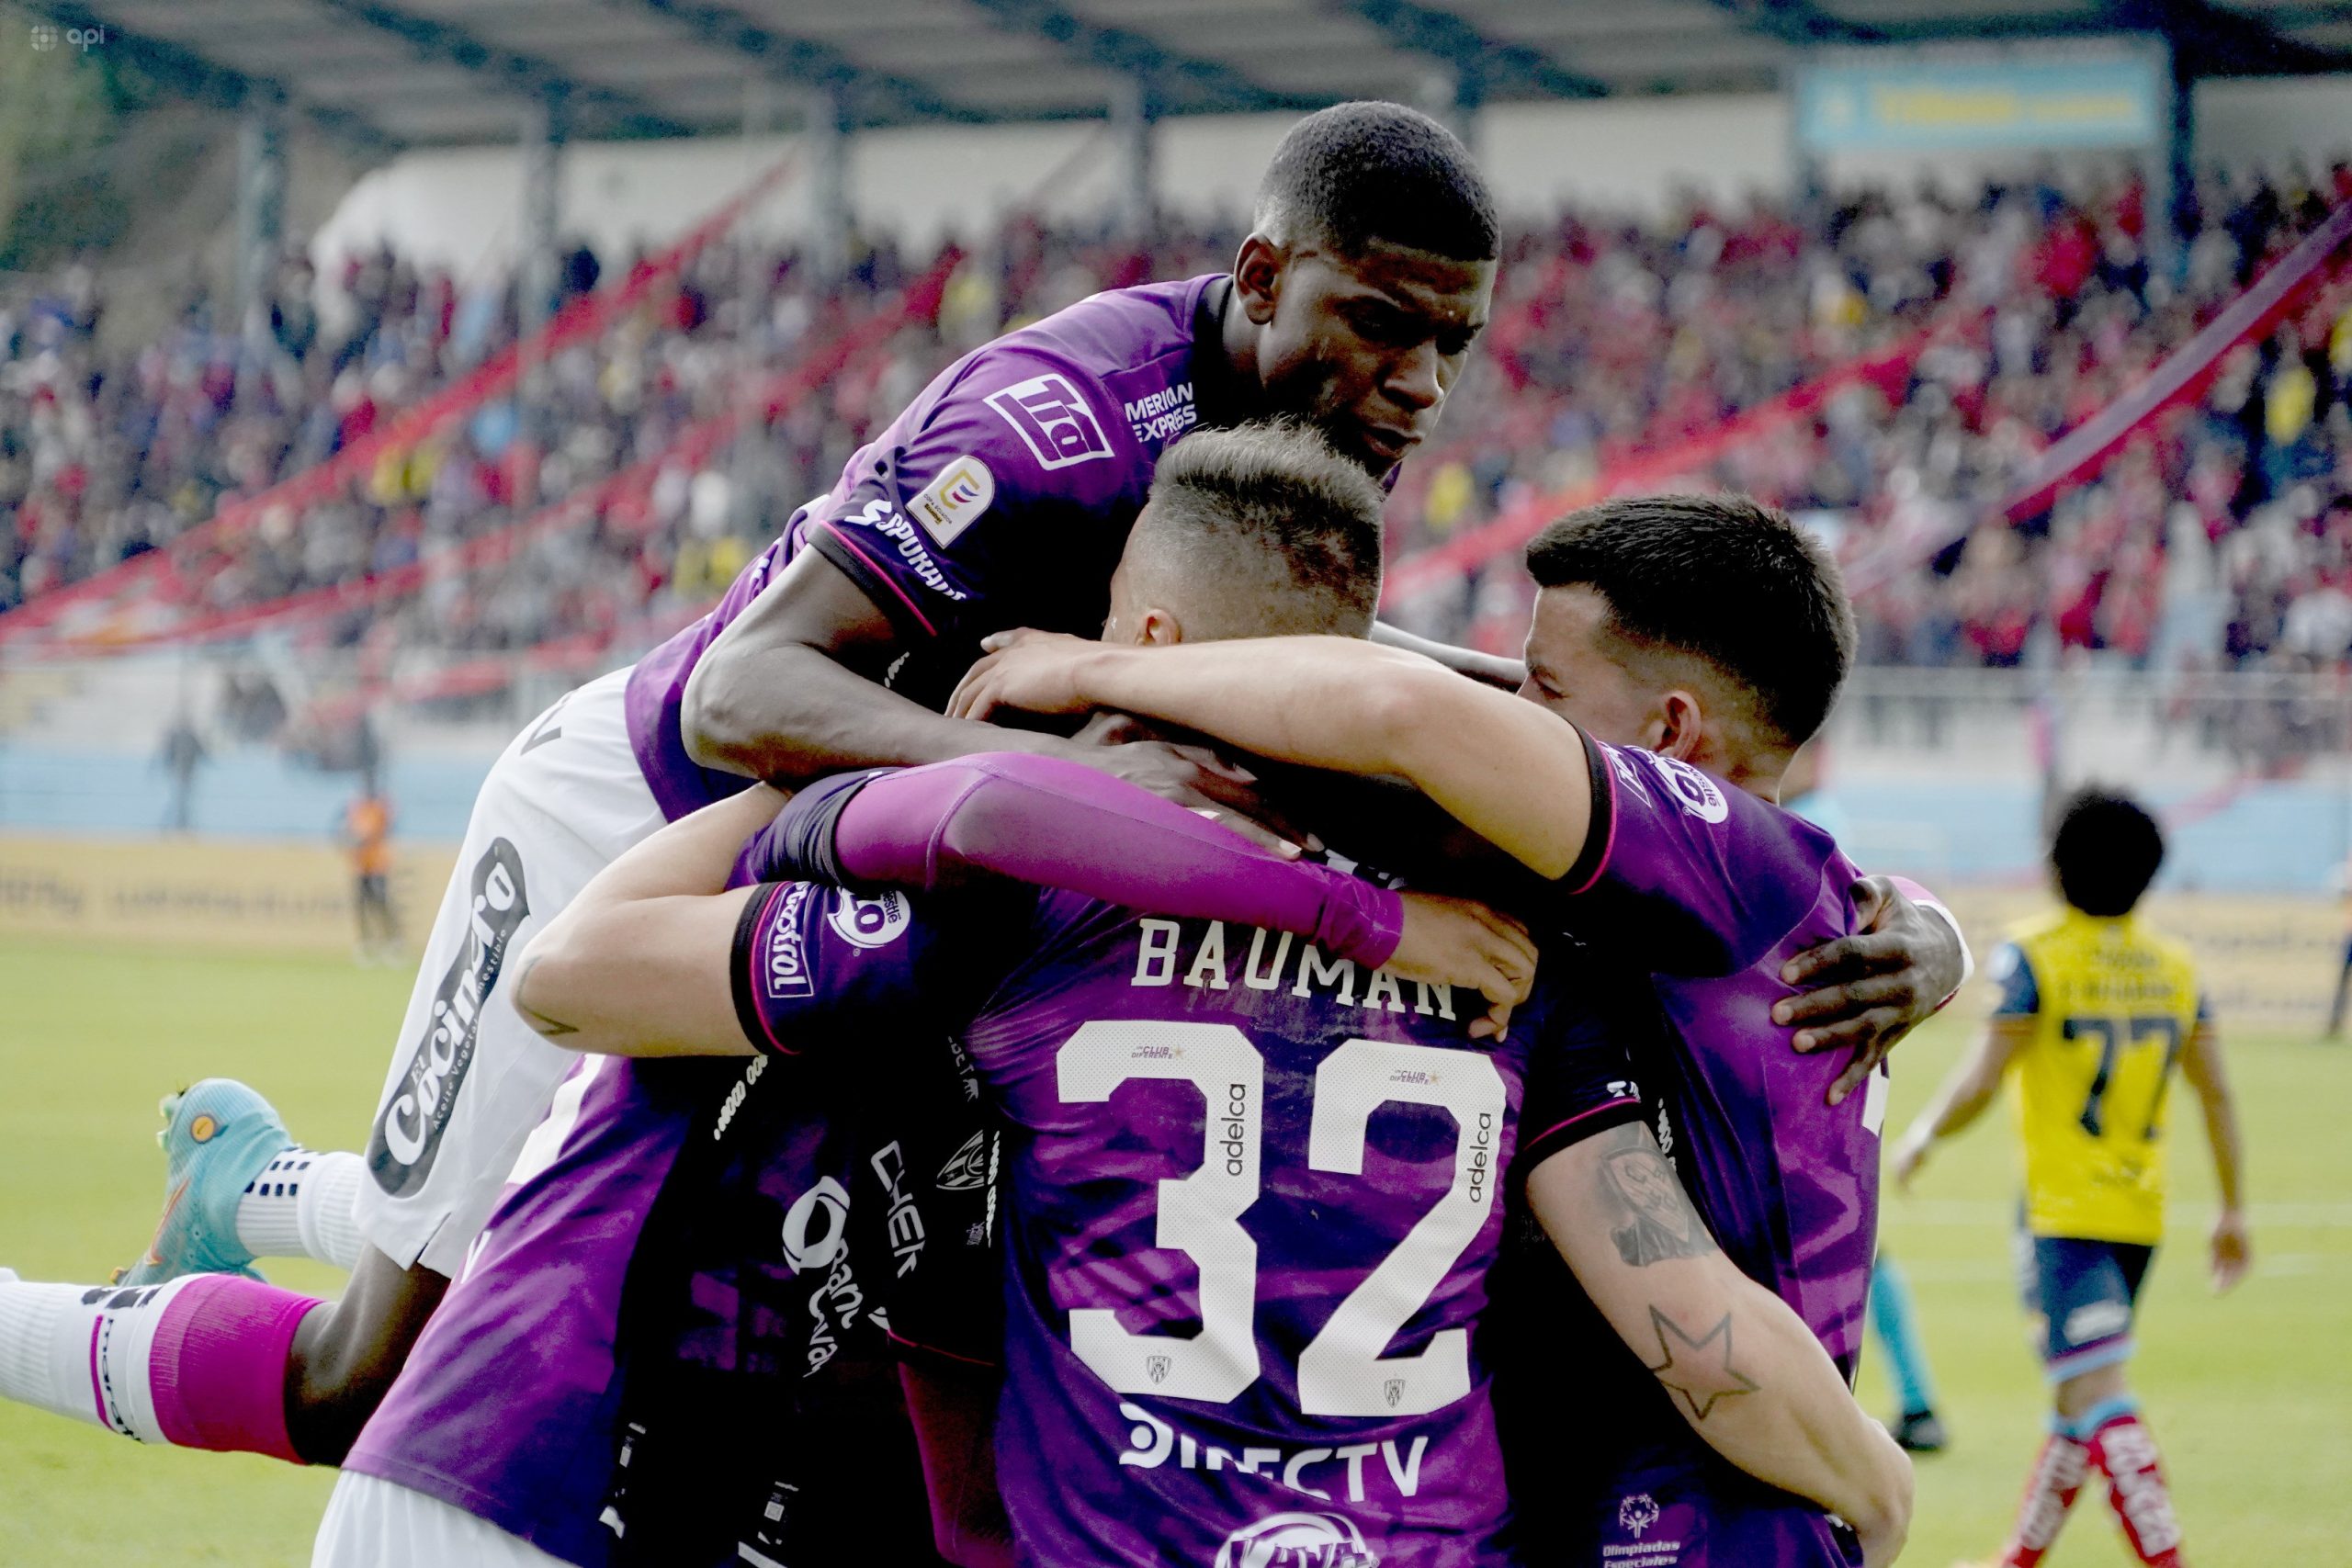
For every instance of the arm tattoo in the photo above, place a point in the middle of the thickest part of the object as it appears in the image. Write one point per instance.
(1651, 1217)
(551, 1028)
(1698, 1369)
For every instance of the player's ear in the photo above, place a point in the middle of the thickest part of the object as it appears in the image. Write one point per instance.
(1258, 276)
(1159, 628)
(1682, 725)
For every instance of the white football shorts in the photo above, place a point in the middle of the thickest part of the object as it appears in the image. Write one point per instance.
(469, 1078)
(372, 1523)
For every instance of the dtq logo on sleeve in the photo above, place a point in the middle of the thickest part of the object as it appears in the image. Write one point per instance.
(955, 501)
(1053, 420)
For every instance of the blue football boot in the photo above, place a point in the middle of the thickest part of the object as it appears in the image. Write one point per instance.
(218, 1137)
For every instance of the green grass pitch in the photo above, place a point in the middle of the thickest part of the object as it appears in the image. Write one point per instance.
(2251, 1394)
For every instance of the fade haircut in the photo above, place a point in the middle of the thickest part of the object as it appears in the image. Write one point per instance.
(1359, 171)
(2106, 849)
(1720, 580)
(1261, 530)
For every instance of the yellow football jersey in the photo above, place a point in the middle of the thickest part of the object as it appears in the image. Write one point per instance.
(2114, 1004)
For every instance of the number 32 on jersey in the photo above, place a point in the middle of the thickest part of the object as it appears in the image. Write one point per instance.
(1341, 1372)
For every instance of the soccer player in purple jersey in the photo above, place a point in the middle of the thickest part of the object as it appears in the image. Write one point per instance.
(1002, 494)
(1258, 1432)
(1681, 635)
(668, 1315)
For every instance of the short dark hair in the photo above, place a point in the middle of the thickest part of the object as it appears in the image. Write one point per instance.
(1367, 171)
(2106, 849)
(1721, 578)
(1266, 529)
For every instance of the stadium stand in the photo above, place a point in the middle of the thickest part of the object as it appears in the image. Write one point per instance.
(2210, 541)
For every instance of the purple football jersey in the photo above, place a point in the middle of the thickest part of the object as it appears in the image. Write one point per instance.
(1252, 1196)
(680, 1236)
(1721, 888)
(1712, 890)
(508, 1406)
(1000, 497)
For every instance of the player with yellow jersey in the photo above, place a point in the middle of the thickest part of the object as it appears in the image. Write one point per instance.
(2095, 1011)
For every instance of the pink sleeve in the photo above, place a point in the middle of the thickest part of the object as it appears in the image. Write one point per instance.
(1058, 823)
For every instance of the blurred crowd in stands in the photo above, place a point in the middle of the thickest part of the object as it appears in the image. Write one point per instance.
(2221, 537)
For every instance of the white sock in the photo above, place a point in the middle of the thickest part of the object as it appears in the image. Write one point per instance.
(303, 1205)
(82, 1350)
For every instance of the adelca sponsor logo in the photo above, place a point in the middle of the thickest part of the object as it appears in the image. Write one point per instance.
(407, 1134)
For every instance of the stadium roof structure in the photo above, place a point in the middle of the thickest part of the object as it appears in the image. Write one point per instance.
(439, 72)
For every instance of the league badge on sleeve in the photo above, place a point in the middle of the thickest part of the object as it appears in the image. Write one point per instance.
(954, 502)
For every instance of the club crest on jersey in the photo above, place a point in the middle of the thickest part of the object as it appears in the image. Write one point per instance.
(871, 919)
(1297, 1540)
(1156, 1369)
(966, 1169)
(407, 1134)
(1053, 421)
(1392, 1391)
(1637, 1513)
(954, 502)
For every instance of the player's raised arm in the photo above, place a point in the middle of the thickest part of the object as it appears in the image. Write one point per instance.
(1741, 1367)
(1053, 823)
(1337, 703)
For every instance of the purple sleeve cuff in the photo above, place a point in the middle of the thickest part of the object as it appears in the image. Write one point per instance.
(1058, 823)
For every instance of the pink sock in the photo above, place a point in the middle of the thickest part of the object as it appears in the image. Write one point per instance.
(218, 1368)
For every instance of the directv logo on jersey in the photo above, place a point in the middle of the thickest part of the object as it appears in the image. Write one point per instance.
(407, 1134)
(788, 970)
(1313, 1473)
(1052, 420)
(1164, 414)
(1297, 1540)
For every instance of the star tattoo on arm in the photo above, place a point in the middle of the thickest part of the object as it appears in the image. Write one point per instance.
(1698, 1369)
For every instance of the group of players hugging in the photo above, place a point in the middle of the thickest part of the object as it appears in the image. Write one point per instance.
(1451, 1139)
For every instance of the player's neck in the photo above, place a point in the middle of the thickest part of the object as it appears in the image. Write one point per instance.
(1758, 775)
(1234, 392)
